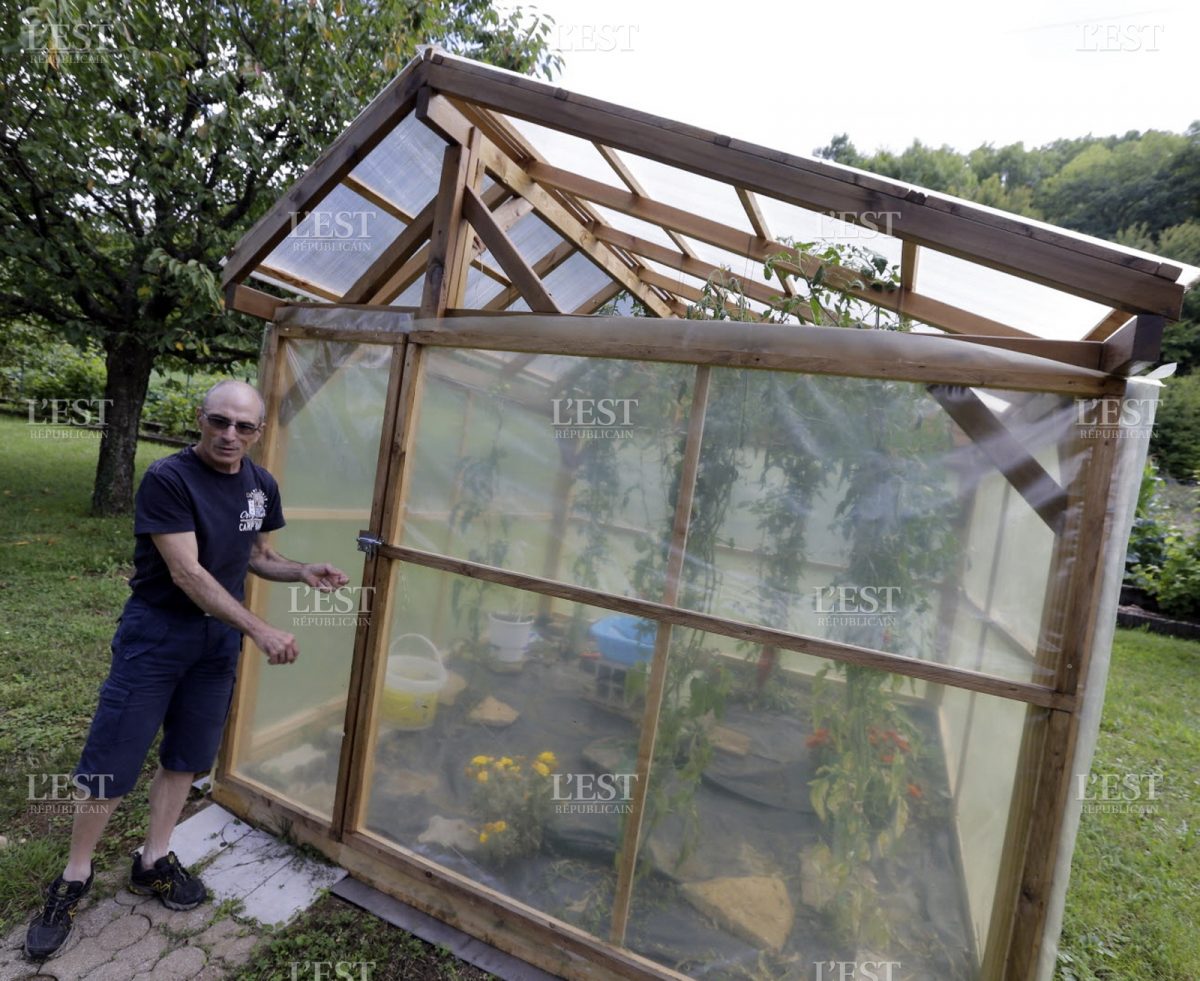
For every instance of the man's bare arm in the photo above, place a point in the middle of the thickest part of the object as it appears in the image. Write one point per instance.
(181, 554)
(266, 563)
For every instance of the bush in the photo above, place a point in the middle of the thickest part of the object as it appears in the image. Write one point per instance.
(1148, 537)
(1176, 440)
(1176, 586)
(62, 372)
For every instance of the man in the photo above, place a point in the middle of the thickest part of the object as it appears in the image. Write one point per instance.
(201, 520)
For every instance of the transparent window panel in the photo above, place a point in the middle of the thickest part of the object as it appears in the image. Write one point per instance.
(811, 819)
(855, 509)
(509, 760)
(564, 468)
(326, 444)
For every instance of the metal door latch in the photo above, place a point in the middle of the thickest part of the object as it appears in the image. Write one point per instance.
(369, 543)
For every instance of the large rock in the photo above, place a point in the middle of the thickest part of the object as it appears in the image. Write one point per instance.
(452, 833)
(754, 907)
(493, 712)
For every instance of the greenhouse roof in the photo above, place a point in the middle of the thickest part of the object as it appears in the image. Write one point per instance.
(572, 201)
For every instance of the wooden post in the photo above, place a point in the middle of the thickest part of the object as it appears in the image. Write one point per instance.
(272, 378)
(1042, 781)
(627, 862)
(370, 661)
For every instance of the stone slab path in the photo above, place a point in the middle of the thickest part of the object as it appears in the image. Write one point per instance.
(122, 937)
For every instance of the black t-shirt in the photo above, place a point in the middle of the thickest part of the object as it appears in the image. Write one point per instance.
(227, 511)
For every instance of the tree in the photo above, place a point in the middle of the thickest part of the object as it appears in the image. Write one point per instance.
(138, 142)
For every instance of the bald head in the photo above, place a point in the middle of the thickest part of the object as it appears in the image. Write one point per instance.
(230, 391)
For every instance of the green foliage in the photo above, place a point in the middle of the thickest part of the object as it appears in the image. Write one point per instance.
(1148, 537)
(511, 797)
(55, 371)
(127, 175)
(1175, 442)
(1175, 584)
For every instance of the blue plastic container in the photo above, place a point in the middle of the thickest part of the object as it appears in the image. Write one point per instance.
(624, 639)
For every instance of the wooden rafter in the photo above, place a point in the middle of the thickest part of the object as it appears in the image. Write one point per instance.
(914, 305)
(397, 253)
(370, 194)
(1074, 264)
(519, 271)
(1109, 324)
(621, 169)
(506, 171)
(301, 284)
(758, 222)
(542, 268)
(688, 264)
(509, 154)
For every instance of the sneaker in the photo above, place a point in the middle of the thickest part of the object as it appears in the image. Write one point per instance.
(174, 885)
(50, 931)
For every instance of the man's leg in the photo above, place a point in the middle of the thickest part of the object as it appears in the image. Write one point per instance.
(168, 794)
(91, 817)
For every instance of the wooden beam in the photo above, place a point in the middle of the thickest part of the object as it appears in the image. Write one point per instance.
(502, 167)
(993, 439)
(504, 170)
(910, 254)
(598, 299)
(914, 305)
(340, 157)
(1074, 264)
(246, 299)
(363, 191)
(397, 253)
(814, 350)
(656, 681)
(508, 255)
(1085, 354)
(446, 238)
(688, 264)
(630, 181)
(301, 284)
(1109, 324)
(1135, 346)
(758, 222)
(545, 265)
(942, 674)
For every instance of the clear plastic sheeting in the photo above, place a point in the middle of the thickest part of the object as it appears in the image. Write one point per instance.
(324, 450)
(854, 510)
(506, 748)
(336, 242)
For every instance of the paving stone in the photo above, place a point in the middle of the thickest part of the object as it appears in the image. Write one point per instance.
(131, 900)
(219, 931)
(144, 954)
(116, 970)
(235, 950)
(205, 833)
(93, 919)
(185, 922)
(18, 969)
(15, 937)
(82, 956)
(181, 964)
(123, 932)
(212, 972)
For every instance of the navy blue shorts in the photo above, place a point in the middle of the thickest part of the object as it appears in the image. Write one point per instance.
(168, 670)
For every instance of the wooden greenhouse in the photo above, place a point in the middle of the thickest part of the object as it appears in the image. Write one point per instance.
(754, 630)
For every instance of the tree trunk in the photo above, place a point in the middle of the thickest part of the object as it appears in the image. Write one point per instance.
(129, 364)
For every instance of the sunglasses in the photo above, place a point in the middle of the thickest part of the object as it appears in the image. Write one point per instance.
(220, 424)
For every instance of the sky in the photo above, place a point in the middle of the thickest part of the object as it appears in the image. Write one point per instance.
(792, 75)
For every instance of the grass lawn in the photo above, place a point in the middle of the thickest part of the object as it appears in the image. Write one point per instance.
(1134, 902)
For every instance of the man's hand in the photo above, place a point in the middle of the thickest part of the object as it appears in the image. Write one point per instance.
(279, 646)
(323, 576)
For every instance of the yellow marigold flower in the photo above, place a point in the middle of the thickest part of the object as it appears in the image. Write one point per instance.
(482, 776)
(483, 837)
(548, 758)
(481, 760)
(499, 826)
(542, 768)
(504, 761)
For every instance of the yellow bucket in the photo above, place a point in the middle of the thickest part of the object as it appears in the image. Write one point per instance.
(412, 683)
